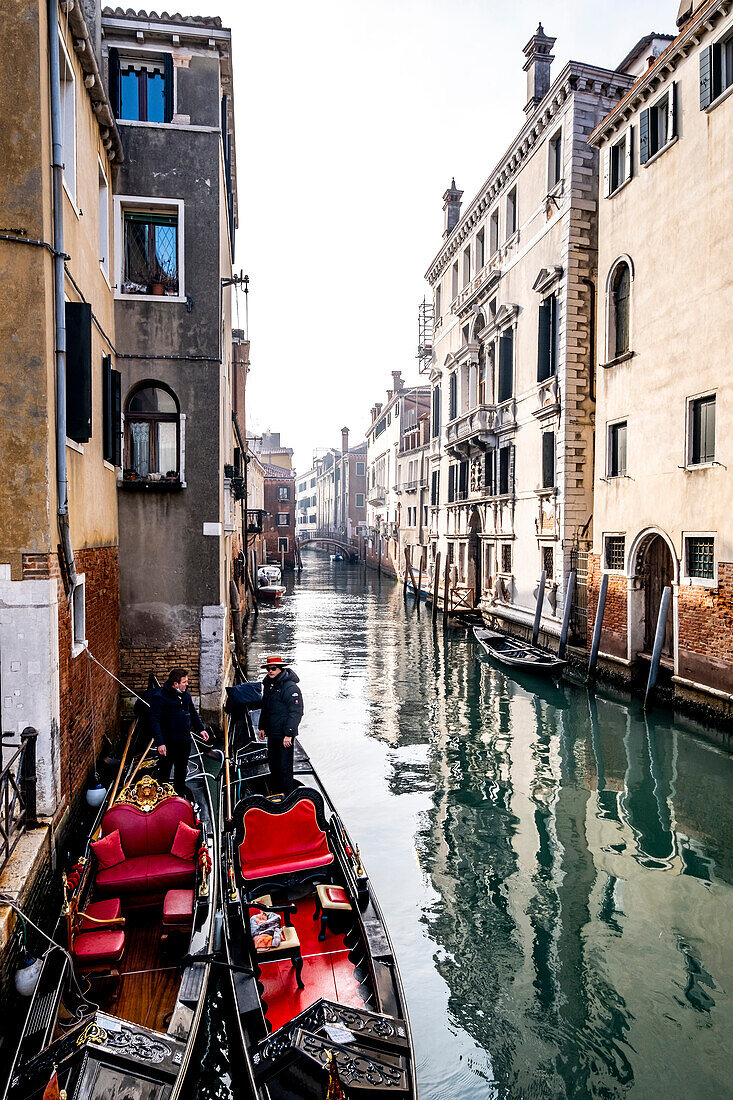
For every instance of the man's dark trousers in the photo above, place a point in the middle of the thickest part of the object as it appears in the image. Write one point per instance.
(280, 760)
(176, 757)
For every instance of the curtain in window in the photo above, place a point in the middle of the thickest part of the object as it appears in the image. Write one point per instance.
(140, 437)
(167, 447)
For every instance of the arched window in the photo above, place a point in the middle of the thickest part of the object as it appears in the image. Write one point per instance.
(619, 301)
(152, 432)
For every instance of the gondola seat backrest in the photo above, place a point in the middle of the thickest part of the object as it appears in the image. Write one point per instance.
(282, 838)
(149, 868)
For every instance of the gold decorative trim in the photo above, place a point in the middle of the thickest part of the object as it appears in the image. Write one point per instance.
(92, 1033)
(146, 794)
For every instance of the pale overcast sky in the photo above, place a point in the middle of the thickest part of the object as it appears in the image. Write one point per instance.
(351, 118)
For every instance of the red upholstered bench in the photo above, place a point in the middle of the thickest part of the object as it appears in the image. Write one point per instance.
(285, 838)
(177, 910)
(99, 950)
(100, 913)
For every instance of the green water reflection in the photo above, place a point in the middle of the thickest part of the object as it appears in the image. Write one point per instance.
(555, 869)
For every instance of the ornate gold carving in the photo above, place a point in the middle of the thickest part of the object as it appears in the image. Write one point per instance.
(92, 1033)
(146, 794)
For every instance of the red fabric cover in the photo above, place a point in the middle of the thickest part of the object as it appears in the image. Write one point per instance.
(126, 878)
(167, 872)
(337, 895)
(178, 907)
(99, 947)
(107, 909)
(185, 842)
(109, 850)
(146, 877)
(152, 833)
(275, 844)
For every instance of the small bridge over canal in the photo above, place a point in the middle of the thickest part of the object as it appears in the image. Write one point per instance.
(349, 549)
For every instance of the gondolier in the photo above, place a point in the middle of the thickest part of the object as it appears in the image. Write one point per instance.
(172, 718)
(282, 710)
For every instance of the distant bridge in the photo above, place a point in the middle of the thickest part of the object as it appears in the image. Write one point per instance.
(328, 542)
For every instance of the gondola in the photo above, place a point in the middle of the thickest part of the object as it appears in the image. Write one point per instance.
(117, 1007)
(516, 654)
(268, 583)
(327, 1000)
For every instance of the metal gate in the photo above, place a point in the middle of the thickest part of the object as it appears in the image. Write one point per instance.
(579, 614)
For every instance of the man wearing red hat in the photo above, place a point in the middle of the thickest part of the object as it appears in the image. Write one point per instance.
(282, 710)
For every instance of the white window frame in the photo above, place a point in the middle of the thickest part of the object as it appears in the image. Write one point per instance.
(628, 137)
(286, 547)
(609, 302)
(280, 516)
(104, 234)
(137, 57)
(671, 122)
(605, 568)
(68, 94)
(510, 234)
(361, 472)
(154, 206)
(360, 497)
(552, 184)
(494, 219)
(699, 582)
(609, 425)
(77, 606)
(689, 464)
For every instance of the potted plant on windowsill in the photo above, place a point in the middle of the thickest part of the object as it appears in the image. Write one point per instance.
(171, 475)
(130, 474)
(157, 281)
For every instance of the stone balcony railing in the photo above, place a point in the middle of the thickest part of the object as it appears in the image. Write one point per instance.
(377, 494)
(477, 425)
(413, 486)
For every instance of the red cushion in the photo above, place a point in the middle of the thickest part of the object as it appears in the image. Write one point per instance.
(337, 895)
(99, 947)
(167, 872)
(124, 879)
(178, 907)
(186, 841)
(107, 909)
(148, 833)
(109, 850)
(275, 844)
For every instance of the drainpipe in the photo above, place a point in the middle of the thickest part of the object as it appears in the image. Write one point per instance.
(59, 308)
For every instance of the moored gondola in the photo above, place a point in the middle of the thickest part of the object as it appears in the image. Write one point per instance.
(318, 991)
(515, 654)
(118, 1004)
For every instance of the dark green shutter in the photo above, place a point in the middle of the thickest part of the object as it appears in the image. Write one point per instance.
(168, 90)
(451, 483)
(116, 379)
(463, 479)
(548, 460)
(107, 430)
(79, 371)
(544, 357)
(114, 81)
(706, 77)
(644, 137)
(506, 365)
(453, 397)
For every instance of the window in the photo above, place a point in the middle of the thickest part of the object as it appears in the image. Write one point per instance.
(451, 553)
(554, 152)
(68, 120)
(313, 480)
(103, 221)
(548, 460)
(453, 396)
(700, 557)
(619, 295)
(506, 365)
(506, 470)
(506, 557)
(111, 413)
(616, 465)
(452, 483)
(494, 232)
(359, 500)
(466, 266)
(436, 412)
(438, 302)
(548, 562)
(614, 552)
(480, 251)
(282, 544)
(435, 488)
(490, 472)
(454, 280)
(360, 470)
(547, 339)
(424, 515)
(311, 519)
(482, 373)
(716, 70)
(78, 616)
(283, 492)
(657, 126)
(702, 430)
(511, 213)
(617, 164)
(141, 88)
(462, 479)
(152, 432)
(150, 253)
(283, 519)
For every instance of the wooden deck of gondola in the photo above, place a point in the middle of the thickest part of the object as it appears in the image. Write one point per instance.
(149, 978)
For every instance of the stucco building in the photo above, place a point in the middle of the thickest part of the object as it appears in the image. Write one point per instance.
(279, 521)
(169, 80)
(341, 489)
(512, 377)
(306, 503)
(413, 490)
(664, 462)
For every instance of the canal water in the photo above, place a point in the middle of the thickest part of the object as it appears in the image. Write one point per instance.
(556, 869)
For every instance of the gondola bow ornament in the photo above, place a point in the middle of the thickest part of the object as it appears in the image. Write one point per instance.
(335, 1088)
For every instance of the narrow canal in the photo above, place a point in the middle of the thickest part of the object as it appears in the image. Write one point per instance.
(556, 869)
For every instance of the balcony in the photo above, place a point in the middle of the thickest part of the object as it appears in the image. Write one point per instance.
(377, 494)
(413, 486)
(475, 428)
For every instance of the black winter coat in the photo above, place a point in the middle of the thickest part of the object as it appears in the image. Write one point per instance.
(173, 716)
(282, 705)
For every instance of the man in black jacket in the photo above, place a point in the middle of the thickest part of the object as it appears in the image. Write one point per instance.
(282, 710)
(172, 717)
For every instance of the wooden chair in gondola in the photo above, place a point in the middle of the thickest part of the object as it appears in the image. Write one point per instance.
(96, 936)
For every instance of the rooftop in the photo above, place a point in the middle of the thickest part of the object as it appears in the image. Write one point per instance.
(212, 21)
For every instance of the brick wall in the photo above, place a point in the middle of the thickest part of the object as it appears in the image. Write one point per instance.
(614, 636)
(138, 661)
(706, 632)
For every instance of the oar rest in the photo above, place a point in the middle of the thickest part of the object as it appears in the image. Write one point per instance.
(279, 839)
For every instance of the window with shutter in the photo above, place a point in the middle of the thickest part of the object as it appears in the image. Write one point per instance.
(79, 371)
(506, 365)
(504, 471)
(616, 465)
(547, 339)
(453, 397)
(644, 137)
(142, 87)
(436, 411)
(716, 70)
(548, 460)
(451, 483)
(463, 480)
(490, 472)
(702, 430)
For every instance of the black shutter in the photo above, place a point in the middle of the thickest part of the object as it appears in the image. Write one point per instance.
(644, 137)
(488, 472)
(451, 483)
(706, 77)
(506, 365)
(168, 86)
(463, 479)
(107, 429)
(511, 467)
(114, 81)
(544, 337)
(116, 379)
(79, 371)
(453, 401)
(548, 460)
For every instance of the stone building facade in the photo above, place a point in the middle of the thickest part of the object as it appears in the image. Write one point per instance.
(340, 499)
(664, 465)
(412, 489)
(279, 524)
(306, 504)
(512, 377)
(169, 80)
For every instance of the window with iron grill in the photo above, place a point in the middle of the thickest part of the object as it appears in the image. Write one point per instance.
(150, 253)
(615, 551)
(701, 557)
(506, 557)
(548, 561)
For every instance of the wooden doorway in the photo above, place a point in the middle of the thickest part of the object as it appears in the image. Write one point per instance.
(474, 578)
(656, 572)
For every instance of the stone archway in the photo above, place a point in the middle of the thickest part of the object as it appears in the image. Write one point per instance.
(655, 568)
(474, 578)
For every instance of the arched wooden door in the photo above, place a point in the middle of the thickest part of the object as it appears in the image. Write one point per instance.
(657, 572)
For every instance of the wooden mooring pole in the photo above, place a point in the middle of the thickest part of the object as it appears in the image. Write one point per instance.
(407, 566)
(418, 594)
(598, 626)
(446, 596)
(658, 644)
(569, 596)
(538, 609)
(436, 587)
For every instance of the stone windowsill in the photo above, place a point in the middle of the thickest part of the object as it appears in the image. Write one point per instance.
(140, 485)
(624, 358)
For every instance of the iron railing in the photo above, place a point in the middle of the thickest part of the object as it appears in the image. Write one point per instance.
(579, 612)
(17, 793)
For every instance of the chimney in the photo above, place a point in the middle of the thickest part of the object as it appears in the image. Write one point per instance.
(378, 407)
(451, 209)
(396, 380)
(344, 440)
(374, 413)
(537, 68)
(389, 396)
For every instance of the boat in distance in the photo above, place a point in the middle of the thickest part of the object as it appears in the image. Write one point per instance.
(516, 654)
(318, 994)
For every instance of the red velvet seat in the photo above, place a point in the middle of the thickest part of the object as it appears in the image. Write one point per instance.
(99, 948)
(109, 909)
(148, 870)
(281, 843)
(178, 909)
(130, 877)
